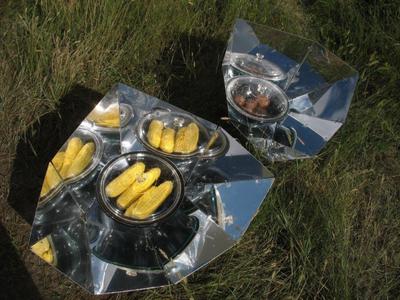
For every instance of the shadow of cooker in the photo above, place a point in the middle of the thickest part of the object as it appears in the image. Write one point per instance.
(16, 283)
(40, 143)
(191, 71)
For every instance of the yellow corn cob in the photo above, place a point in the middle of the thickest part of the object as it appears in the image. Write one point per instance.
(42, 249)
(148, 204)
(124, 180)
(187, 139)
(82, 160)
(146, 195)
(107, 118)
(191, 137)
(113, 123)
(154, 133)
(53, 178)
(58, 160)
(48, 256)
(168, 140)
(179, 140)
(52, 173)
(74, 146)
(41, 246)
(45, 188)
(141, 184)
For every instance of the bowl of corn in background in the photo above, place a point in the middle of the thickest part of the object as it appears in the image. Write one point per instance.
(83, 142)
(166, 126)
(110, 118)
(162, 171)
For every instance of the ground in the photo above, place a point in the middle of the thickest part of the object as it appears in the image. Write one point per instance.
(330, 226)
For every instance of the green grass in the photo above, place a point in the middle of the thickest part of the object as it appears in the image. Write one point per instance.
(330, 226)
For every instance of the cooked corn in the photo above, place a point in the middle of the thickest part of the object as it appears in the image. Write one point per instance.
(42, 249)
(187, 139)
(149, 202)
(141, 184)
(180, 140)
(58, 160)
(74, 146)
(154, 133)
(45, 188)
(124, 180)
(168, 140)
(52, 177)
(82, 160)
(108, 118)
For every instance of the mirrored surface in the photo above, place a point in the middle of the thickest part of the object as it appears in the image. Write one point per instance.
(318, 84)
(221, 187)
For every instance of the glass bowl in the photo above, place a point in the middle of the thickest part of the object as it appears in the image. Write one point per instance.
(86, 136)
(257, 99)
(121, 163)
(177, 120)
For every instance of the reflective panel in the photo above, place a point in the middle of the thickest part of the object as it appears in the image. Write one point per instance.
(189, 192)
(264, 66)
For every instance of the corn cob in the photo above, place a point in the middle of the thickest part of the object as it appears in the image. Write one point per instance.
(179, 140)
(53, 178)
(146, 195)
(168, 140)
(74, 145)
(48, 256)
(141, 184)
(82, 160)
(112, 123)
(154, 133)
(58, 160)
(187, 139)
(124, 180)
(108, 118)
(45, 188)
(149, 202)
(43, 250)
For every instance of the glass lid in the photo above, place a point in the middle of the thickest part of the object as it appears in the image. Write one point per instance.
(258, 66)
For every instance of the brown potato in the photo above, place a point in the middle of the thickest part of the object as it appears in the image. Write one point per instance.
(240, 100)
(251, 106)
(263, 101)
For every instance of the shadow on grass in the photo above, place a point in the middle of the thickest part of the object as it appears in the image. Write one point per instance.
(40, 143)
(192, 76)
(16, 282)
(191, 71)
